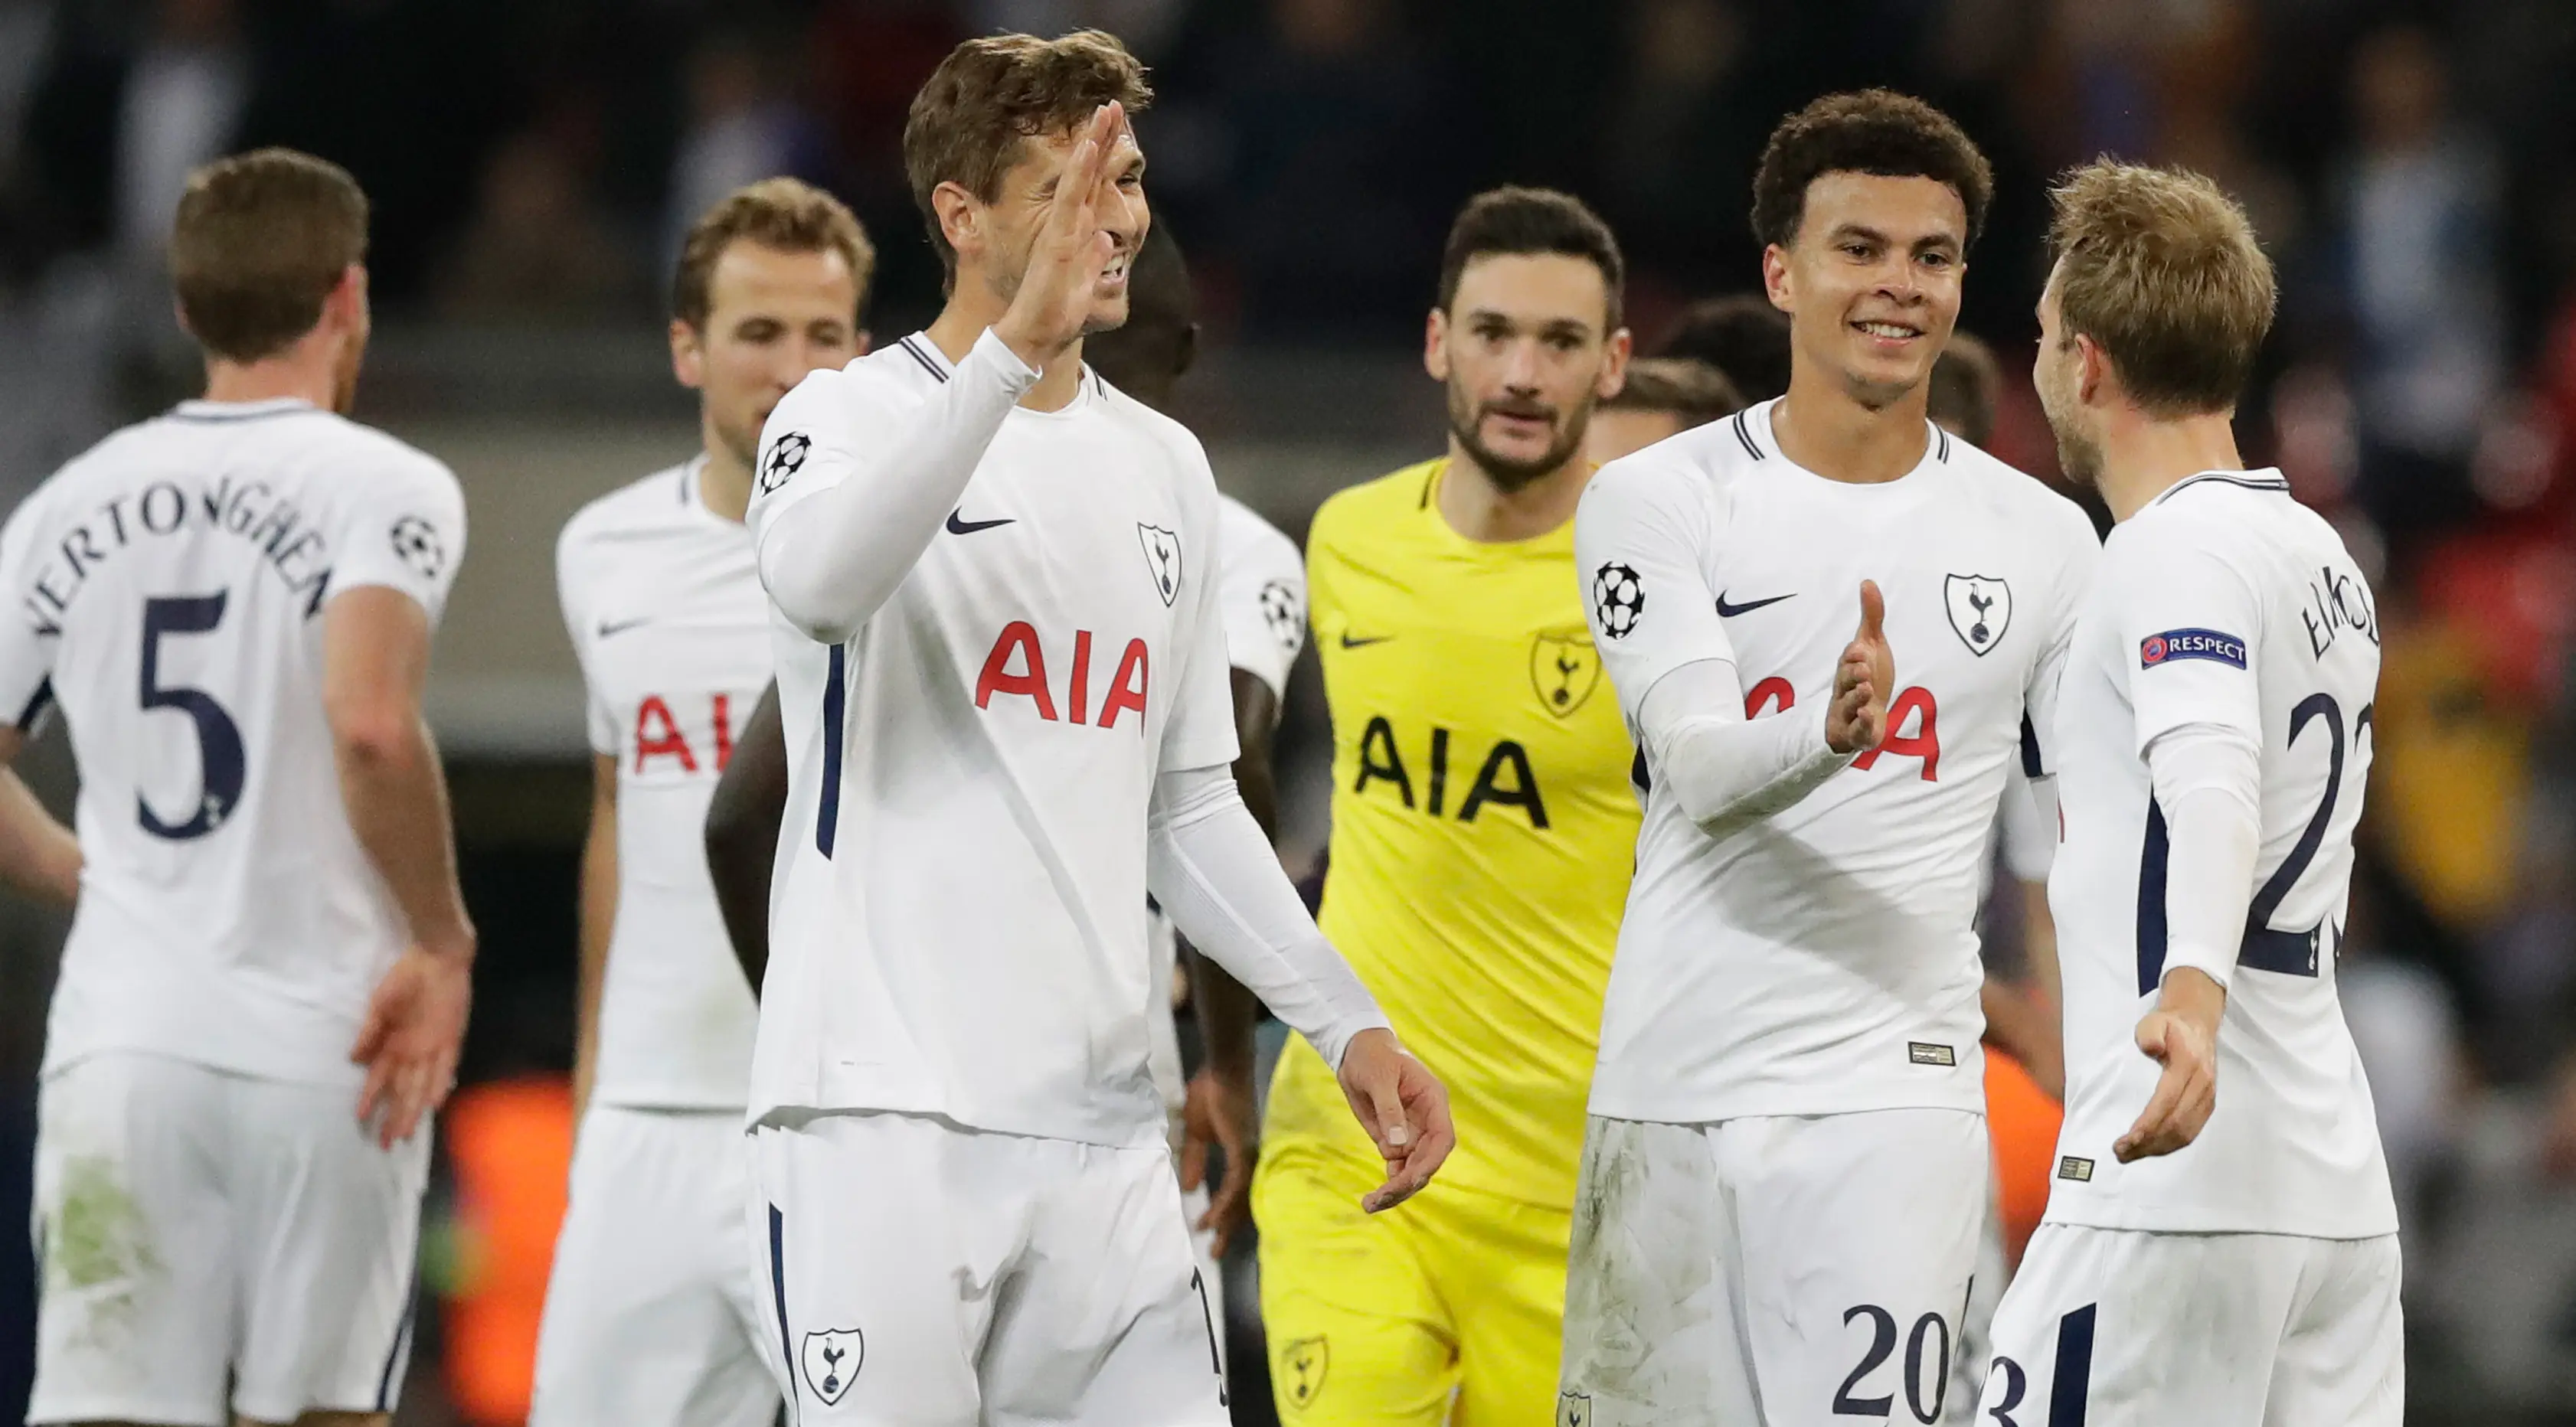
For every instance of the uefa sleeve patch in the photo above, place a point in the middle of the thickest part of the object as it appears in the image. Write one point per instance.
(2178, 644)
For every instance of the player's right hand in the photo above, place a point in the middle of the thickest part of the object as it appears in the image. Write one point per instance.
(1404, 1108)
(1072, 251)
(1857, 719)
(409, 1042)
(2181, 1033)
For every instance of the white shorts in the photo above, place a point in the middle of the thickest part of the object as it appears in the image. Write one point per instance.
(2111, 1327)
(196, 1227)
(651, 1319)
(1782, 1271)
(928, 1275)
(1977, 1325)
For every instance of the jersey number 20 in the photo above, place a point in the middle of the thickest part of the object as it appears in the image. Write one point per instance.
(219, 744)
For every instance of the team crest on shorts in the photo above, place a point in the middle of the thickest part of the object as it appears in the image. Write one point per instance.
(1574, 1409)
(1564, 669)
(1980, 610)
(831, 1361)
(1162, 559)
(1301, 1366)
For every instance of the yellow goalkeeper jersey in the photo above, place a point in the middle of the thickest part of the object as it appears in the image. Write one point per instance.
(1483, 829)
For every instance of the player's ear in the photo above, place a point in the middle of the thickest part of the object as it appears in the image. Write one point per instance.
(961, 218)
(1775, 278)
(2093, 371)
(1435, 345)
(1614, 364)
(688, 355)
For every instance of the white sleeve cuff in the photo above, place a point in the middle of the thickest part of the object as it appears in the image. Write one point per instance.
(1216, 876)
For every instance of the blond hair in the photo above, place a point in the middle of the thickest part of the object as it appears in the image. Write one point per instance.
(785, 214)
(2161, 268)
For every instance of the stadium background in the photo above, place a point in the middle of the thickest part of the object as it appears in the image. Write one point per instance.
(2411, 169)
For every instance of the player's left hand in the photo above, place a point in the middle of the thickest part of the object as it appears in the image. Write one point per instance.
(1220, 1112)
(409, 1041)
(2181, 1033)
(1856, 719)
(1404, 1107)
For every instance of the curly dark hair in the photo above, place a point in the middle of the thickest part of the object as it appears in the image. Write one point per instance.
(1873, 131)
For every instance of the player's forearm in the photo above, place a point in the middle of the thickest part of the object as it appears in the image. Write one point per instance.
(598, 920)
(2207, 782)
(396, 797)
(1214, 872)
(1726, 772)
(742, 835)
(838, 555)
(38, 856)
(1227, 1012)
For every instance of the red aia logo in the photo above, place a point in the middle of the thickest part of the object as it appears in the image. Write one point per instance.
(1018, 666)
(1923, 743)
(658, 733)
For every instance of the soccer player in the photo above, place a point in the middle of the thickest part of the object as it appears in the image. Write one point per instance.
(1787, 1161)
(1483, 830)
(2220, 1243)
(1004, 689)
(1261, 599)
(268, 974)
(650, 1316)
(1661, 397)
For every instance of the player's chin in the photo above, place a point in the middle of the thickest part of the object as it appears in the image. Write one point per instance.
(1108, 308)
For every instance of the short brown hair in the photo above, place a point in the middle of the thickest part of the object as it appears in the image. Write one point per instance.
(1872, 131)
(260, 240)
(785, 214)
(1965, 386)
(969, 119)
(1514, 220)
(1693, 391)
(2161, 268)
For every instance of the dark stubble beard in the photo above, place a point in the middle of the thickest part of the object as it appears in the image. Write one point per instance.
(1508, 474)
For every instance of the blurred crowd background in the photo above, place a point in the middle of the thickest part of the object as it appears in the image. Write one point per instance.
(2411, 168)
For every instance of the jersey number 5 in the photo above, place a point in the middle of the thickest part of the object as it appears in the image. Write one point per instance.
(219, 744)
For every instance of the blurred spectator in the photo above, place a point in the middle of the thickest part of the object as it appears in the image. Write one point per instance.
(1339, 192)
(1676, 170)
(741, 130)
(2419, 211)
(537, 250)
(1146, 27)
(1742, 335)
(182, 106)
(2407, 1031)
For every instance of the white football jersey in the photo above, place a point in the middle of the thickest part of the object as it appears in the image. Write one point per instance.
(170, 584)
(1823, 960)
(663, 601)
(2223, 603)
(1261, 599)
(958, 918)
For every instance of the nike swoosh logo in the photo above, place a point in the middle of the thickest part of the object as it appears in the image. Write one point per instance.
(1350, 643)
(969, 527)
(620, 627)
(1730, 611)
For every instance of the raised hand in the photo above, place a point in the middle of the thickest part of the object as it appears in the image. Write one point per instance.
(1404, 1108)
(1072, 251)
(1857, 719)
(414, 1029)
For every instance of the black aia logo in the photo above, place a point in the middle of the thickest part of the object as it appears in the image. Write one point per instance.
(785, 459)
